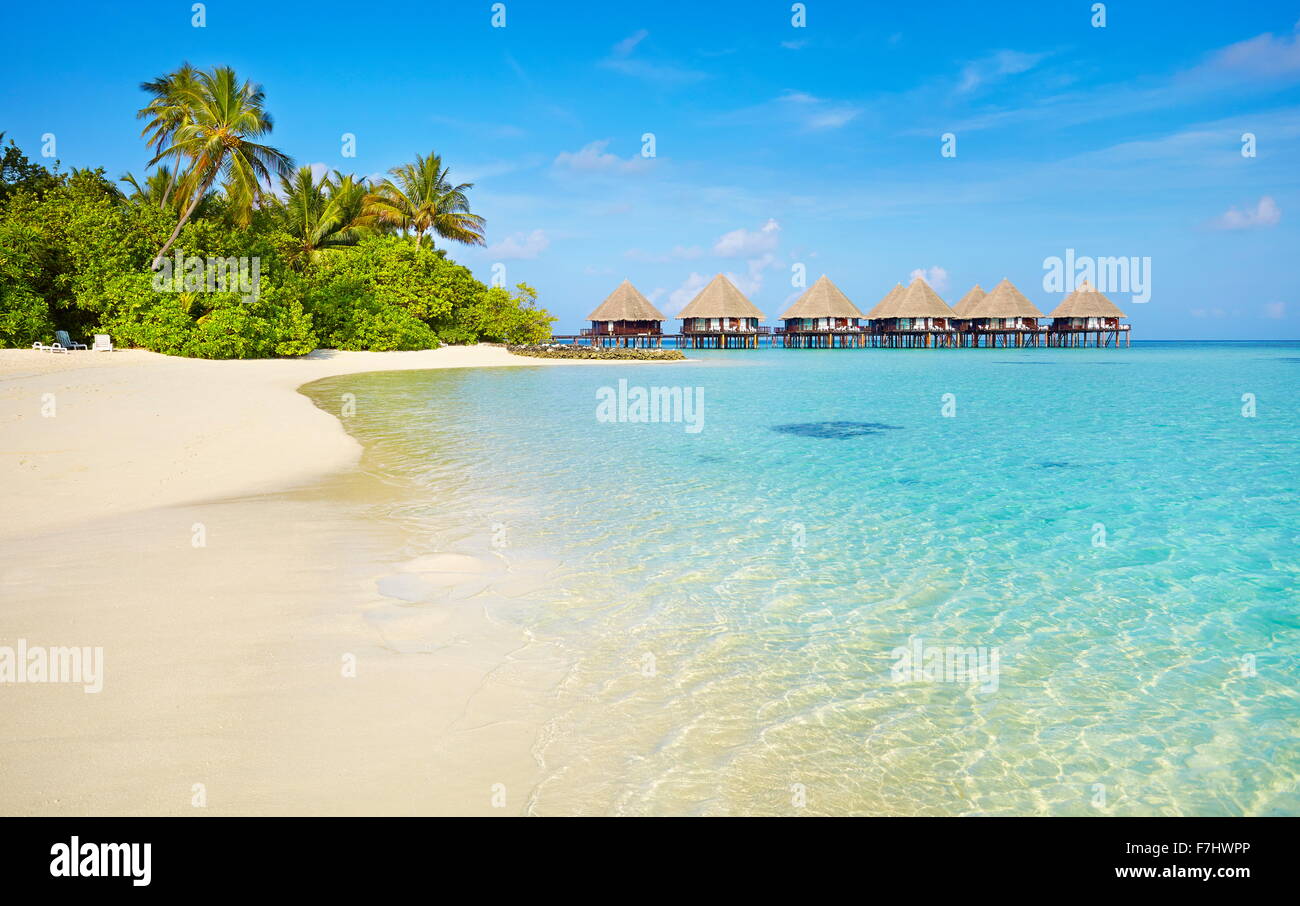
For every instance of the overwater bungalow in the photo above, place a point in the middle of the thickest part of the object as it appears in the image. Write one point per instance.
(626, 318)
(823, 317)
(1004, 317)
(963, 308)
(1087, 317)
(885, 302)
(720, 317)
(912, 317)
(967, 303)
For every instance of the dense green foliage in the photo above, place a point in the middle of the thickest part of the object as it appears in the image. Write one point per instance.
(340, 263)
(16, 171)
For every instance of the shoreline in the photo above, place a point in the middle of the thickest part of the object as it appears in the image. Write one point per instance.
(208, 526)
(154, 430)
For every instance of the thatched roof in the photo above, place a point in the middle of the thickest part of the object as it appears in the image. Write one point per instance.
(1005, 301)
(720, 299)
(822, 300)
(969, 301)
(886, 302)
(917, 301)
(626, 303)
(1086, 302)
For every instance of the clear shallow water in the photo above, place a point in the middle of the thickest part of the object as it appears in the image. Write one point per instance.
(728, 603)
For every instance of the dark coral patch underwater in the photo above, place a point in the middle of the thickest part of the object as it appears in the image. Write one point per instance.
(835, 430)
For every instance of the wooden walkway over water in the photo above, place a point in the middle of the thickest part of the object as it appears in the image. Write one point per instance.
(714, 339)
(847, 338)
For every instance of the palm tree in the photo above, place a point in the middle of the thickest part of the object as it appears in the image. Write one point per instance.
(155, 189)
(167, 112)
(225, 116)
(424, 200)
(321, 215)
(151, 191)
(348, 195)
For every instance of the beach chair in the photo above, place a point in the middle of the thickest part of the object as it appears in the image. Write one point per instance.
(41, 347)
(102, 343)
(66, 341)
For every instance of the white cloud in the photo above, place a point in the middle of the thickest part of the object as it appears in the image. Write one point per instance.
(1236, 67)
(748, 282)
(996, 66)
(1275, 310)
(1265, 214)
(520, 245)
(756, 246)
(794, 45)
(751, 281)
(796, 109)
(832, 118)
(593, 158)
(816, 113)
(1262, 55)
(743, 243)
(665, 73)
(683, 294)
(936, 276)
(628, 44)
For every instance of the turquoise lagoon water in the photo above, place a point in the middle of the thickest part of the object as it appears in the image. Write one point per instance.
(729, 604)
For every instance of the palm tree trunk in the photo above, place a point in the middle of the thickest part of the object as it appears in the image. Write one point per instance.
(198, 196)
(171, 182)
(171, 177)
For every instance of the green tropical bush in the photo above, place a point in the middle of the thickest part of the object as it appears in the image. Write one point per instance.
(341, 262)
(24, 317)
(501, 317)
(24, 314)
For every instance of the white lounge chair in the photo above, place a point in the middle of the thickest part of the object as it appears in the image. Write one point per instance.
(102, 343)
(61, 336)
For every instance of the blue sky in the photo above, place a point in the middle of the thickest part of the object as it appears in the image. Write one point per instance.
(775, 145)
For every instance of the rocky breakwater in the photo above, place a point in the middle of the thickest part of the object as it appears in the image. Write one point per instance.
(556, 351)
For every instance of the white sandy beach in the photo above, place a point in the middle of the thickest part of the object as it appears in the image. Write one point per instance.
(224, 688)
(133, 429)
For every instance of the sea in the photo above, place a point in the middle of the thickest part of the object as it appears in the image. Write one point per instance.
(879, 582)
